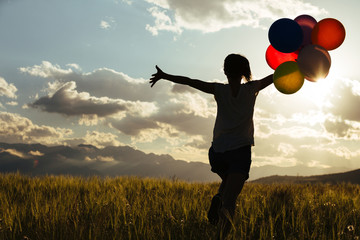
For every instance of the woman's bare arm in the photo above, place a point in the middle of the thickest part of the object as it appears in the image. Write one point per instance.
(266, 81)
(197, 84)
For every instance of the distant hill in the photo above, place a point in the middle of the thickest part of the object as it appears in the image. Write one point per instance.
(345, 177)
(88, 160)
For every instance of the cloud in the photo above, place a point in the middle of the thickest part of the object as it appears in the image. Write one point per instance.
(14, 152)
(132, 125)
(101, 139)
(317, 164)
(7, 90)
(334, 154)
(12, 103)
(107, 23)
(214, 15)
(130, 105)
(129, 2)
(46, 70)
(104, 24)
(68, 101)
(286, 149)
(337, 127)
(100, 158)
(36, 153)
(100, 82)
(343, 129)
(162, 22)
(17, 129)
(74, 66)
(346, 96)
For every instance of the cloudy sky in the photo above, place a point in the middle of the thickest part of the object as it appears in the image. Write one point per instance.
(76, 72)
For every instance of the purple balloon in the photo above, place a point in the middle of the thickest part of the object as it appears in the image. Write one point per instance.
(307, 24)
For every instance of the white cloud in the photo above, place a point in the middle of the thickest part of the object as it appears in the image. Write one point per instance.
(12, 103)
(105, 158)
(6, 89)
(345, 97)
(17, 129)
(162, 22)
(107, 23)
(317, 164)
(130, 104)
(129, 2)
(68, 101)
(104, 24)
(286, 149)
(195, 104)
(282, 161)
(74, 66)
(36, 153)
(14, 152)
(341, 151)
(90, 119)
(163, 131)
(46, 70)
(214, 15)
(101, 139)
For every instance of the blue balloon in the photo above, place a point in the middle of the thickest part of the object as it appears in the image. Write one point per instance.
(285, 35)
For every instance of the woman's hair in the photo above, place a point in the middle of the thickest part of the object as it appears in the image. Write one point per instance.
(236, 65)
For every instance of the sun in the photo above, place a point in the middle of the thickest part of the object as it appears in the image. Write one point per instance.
(318, 92)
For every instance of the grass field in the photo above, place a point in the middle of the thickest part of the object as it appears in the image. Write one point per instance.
(138, 208)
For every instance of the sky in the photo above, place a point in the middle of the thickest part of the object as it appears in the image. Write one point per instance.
(77, 72)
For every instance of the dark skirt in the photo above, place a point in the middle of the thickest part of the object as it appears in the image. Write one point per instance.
(233, 161)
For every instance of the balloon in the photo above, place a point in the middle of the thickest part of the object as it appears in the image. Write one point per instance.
(287, 78)
(328, 33)
(274, 58)
(307, 24)
(314, 62)
(285, 35)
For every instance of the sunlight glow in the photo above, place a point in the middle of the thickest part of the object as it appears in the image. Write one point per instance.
(318, 92)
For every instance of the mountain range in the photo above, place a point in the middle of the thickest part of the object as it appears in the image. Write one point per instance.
(88, 160)
(345, 177)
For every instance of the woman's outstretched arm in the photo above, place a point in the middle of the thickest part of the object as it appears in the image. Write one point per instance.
(266, 81)
(197, 84)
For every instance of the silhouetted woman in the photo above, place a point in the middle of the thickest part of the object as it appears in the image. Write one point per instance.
(233, 135)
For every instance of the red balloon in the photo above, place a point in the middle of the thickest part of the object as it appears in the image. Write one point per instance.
(314, 62)
(274, 57)
(307, 24)
(328, 33)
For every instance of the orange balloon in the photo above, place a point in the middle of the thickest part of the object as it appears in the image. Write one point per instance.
(328, 33)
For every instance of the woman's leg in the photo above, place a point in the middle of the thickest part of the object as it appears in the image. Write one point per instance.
(222, 184)
(216, 203)
(230, 190)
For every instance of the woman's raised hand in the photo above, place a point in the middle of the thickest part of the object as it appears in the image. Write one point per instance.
(157, 76)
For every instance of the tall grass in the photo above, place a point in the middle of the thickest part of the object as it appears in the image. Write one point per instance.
(67, 207)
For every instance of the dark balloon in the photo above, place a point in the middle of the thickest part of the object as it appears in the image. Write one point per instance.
(285, 35)
(314, 62)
